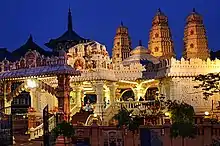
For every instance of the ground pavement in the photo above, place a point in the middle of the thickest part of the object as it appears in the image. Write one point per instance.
(22, 140)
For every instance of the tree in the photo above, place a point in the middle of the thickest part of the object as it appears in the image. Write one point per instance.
(209, 83)
(127, 120)
(182, 116)
(64, 129)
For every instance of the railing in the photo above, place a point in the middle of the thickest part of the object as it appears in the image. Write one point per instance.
(130, 105)
(38, 131)
(111, 110)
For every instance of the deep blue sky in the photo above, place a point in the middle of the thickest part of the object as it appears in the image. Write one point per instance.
(98, 19)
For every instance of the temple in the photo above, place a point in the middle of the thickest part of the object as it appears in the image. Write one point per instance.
(83, 80)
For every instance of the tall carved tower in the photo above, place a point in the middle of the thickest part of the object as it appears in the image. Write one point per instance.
(195, 40)
(122, 45)
(160, 39)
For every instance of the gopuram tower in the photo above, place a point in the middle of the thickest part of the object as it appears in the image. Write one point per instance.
(160, 38)
(122, 45)
(195, 40)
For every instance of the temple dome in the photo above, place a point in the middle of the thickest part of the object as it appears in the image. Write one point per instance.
(140, 55)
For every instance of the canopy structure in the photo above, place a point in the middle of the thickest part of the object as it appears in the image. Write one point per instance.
(39, 71)
(69, 39)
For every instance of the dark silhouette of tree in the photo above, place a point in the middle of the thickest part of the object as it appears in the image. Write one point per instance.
(182, 116)
(209, 83)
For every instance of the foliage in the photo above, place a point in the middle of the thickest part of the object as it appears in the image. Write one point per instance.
(182, 116)
(65, 129)
(209, 83)
(125, 118)
(216, 142)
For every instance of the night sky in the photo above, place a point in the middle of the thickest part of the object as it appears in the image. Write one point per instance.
(98, 19)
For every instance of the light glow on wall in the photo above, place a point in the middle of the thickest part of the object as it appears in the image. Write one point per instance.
(31, 83)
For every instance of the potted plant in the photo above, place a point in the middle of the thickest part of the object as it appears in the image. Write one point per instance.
(64, 129)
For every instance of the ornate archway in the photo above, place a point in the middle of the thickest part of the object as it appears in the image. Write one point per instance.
(24, 87)
(151, 93)
(91, 119)
(127, 94)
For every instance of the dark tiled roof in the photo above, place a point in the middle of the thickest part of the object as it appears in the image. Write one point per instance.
(39, 71)
(29, 45)
(69, 36)
(4, 53)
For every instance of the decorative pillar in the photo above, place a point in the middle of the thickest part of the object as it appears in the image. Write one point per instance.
(113, 88)
(31, 118)
(78, 97)
(34, 99)
(63, 95)
(7, 98)
(100, 103)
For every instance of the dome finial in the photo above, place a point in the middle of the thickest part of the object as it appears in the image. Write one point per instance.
(140, 43)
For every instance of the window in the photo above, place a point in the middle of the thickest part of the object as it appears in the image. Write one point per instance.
(117, 55)
(156, 35)
(191, 46)
(156, 49)
(191, 32)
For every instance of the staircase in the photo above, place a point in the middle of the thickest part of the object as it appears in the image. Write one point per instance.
(37, 133)
(80, 117)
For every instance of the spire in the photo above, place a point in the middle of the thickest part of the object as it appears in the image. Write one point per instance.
(194, 10)
(70, 27)
(159, 10)
(140, 43)
(122, 23)
(30, 39)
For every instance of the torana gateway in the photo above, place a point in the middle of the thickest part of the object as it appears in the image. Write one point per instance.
(78, 75)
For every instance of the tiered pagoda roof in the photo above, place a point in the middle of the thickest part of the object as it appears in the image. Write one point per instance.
(21, 51)
(69, 38)
(29, 45)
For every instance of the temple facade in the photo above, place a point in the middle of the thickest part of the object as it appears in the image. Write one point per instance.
(84, 77)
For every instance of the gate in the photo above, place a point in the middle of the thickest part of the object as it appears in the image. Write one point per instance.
(6, 131)
(49, 123)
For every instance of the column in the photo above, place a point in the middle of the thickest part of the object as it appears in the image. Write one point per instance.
(100, 103)
(78, 97)
(113, 88)
(7, 98)
(34, 99)
(63, 95)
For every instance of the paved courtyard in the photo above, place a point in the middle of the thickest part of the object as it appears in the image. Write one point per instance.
(22, 140)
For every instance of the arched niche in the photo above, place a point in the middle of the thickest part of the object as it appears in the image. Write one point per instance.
(21, 102)
(90, 98)
(127, 94)
(151, 93)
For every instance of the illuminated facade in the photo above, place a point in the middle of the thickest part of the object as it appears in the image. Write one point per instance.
(87, 78)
